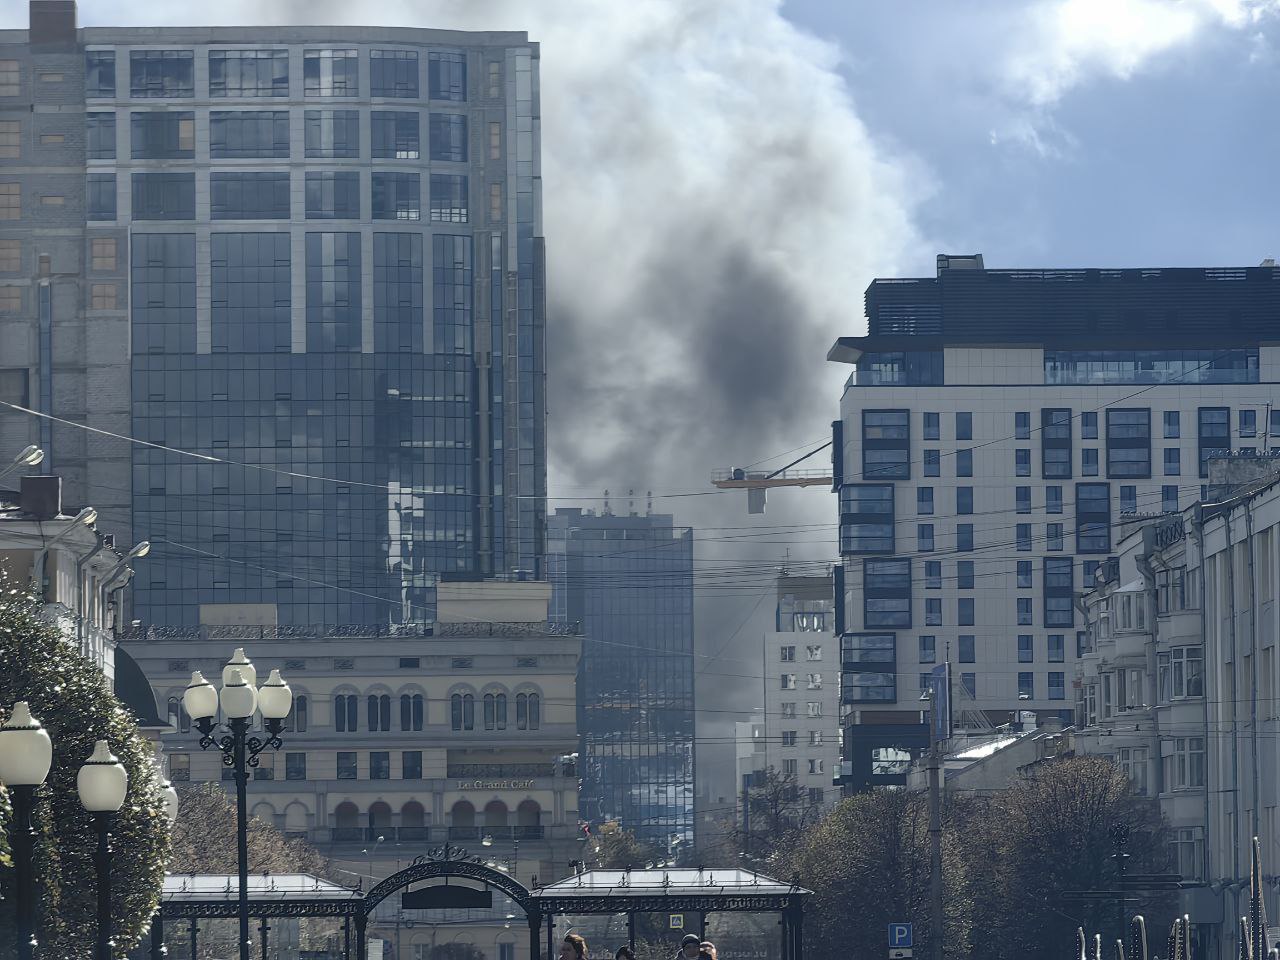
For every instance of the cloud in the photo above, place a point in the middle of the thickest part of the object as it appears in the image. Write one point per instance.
(1058, 45)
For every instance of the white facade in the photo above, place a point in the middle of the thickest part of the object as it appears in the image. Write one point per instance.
(801, 735)
(1178, 683)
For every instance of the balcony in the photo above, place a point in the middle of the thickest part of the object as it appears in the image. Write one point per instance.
(437, 834)
(468, 771)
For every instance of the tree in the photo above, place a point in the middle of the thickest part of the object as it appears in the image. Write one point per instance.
(614, 848)
(204, 839)
(776, 818)
(868, 865)
(73, 700)
(1048, 834)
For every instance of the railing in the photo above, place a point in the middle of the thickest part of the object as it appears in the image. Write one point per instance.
(425, 834)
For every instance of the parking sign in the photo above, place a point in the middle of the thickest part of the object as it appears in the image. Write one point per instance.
(899, 936)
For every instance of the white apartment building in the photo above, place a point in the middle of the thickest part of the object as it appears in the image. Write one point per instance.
(995, 426)
(801, 723)
(1178, 682)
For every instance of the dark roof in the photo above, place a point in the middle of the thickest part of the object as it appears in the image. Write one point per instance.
(1178, 307)
(134, 691)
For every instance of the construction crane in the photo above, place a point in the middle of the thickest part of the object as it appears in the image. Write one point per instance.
(758, 483)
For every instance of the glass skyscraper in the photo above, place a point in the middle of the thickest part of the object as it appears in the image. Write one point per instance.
(322, 249)
(628, 581)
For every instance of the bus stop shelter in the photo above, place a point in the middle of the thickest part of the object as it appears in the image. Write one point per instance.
(195, 897)
(702, 890)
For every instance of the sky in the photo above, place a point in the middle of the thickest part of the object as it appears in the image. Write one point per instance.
(722, 179)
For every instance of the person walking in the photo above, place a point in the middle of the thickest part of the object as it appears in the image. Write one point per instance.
(690, 947)
(573, 948)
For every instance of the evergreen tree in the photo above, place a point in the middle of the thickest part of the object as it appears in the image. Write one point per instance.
(74, 702)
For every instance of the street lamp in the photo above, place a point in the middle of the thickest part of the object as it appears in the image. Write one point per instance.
(239, 702)
(102, 783)
(88, 517)
(29, 456)
(141, 549)
(25, 756)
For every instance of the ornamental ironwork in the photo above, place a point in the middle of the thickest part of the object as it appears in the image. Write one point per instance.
(669, 903)
(213, 909)
(450, 861)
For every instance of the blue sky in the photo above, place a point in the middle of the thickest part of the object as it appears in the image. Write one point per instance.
(1168, 161)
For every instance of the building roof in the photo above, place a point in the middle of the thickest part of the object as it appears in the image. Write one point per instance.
(133, 689)
(275, 886)
(728, 881)
(1165, 308)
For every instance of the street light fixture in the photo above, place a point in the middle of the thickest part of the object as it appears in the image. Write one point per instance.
(88, 517)
(239, 702)
(102, 784)
(26, 754)
(29, 456)
(141, 549)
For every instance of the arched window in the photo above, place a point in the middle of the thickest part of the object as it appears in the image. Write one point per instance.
(177, 715)
(528, 814)
(528, 711)
(379, 817)
(346, 822)
(411, 711)
(346, 711)
(379, 712)
(495, 711)
(464, 814)
(296, 721)
(495, 814)
(413, 815)
(462, 711)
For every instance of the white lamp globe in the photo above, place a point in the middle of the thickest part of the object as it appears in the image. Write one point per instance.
(275, 699)
(240, 662)
(103, 781)
(200, 698)
(170, 796)
(239, 700)
(25, 749)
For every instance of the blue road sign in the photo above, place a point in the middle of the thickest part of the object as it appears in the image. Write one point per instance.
(899, 935)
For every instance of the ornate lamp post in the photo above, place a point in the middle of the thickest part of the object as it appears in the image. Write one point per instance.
(25, 756)
(240, 751)
(102, 784)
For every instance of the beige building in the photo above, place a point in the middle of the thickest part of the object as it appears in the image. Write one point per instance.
(462, 733)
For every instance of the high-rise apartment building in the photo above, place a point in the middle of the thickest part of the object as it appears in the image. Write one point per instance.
(997, 422)
(314, 251)
(801, 668)
(628, 580)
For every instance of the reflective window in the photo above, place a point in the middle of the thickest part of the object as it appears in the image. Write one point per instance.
(164, 196)
(1057, 648)
(924, 501)
(394, 134)
(964, 575)
(396, 196)
(451, 276)
(100, 136)
(1053, 536)
(447, 76)
(449, 197)
(964, 462)
(1022, 426)
(248, 133)
(333, 291)
(448, 136)
(1128, 443)
(1089, 462)
(249, 196)
(964, 611)
(1024, 575)
(932, 463)
(333, 195)
(248, 73)
(1026, 648)
(332, 134)
(931, 426)
(900, 369)
(162, 73)
(162, 135)
(397, 292)
(100, 73)
(924, 537)
(1025, 612)
(1057, 685)
(1053, 499)
(1024, 536)
(964, 500)
(1169, 498)
(100, 200)
(964, 426)
(933, 575)
(250, 292)
(1172, 426)
(393, 73)
(1089, 425)
(1151, 366)
(967, 644)
(331, 73)
(928, 649)
(1022, 462)
(1026, 686)
(163, 271)
(964, 536)
(886, 587)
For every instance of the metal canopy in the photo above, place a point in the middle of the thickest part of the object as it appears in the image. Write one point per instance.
(203, 895)
(706, 890)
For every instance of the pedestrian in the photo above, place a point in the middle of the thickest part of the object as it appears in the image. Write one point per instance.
(709, 949)
(624, 952)
(573, 948)
(690, 947)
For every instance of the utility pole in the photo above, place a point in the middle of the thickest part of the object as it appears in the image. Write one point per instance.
(935, 831)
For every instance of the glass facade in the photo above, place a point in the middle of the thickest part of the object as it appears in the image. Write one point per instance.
(629, 582)
(366, 381)
(1151, 366)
